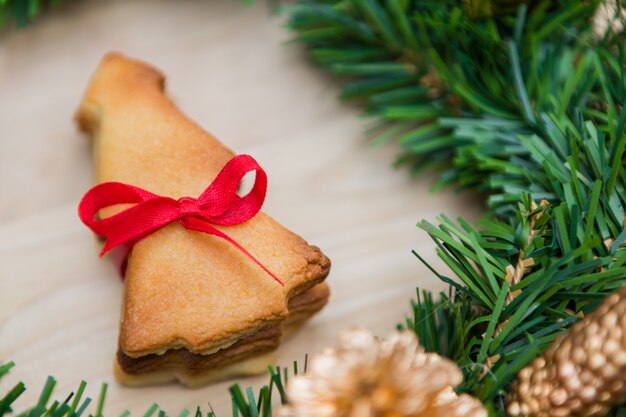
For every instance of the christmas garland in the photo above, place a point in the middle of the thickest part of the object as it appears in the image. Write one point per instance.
(524, 102)
(74, 405)
(527, 108)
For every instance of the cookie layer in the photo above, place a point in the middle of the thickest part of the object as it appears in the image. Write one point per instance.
(184, 290)
(193, 368)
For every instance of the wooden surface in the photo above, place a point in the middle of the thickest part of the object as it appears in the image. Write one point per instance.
(230, 69)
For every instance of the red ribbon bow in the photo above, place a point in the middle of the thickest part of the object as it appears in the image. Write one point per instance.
(218, 204)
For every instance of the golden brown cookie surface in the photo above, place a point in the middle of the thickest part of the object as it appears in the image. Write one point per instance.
(185, 289)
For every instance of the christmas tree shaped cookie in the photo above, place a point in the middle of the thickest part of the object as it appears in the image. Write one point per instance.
(195, 308)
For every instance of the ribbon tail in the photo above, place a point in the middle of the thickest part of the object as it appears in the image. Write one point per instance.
(202, 226)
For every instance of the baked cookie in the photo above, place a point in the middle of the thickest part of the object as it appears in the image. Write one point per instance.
(195, 308)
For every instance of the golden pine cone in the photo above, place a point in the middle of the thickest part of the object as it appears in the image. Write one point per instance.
(609, 16)
(368, 377)
(583, 372)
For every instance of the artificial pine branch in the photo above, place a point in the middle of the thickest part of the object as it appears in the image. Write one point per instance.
(419, 65)
(21, 12)
(76, 405)
(527, 108)
(566, 278)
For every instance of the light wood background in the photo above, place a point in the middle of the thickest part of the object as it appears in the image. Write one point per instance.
(229, 67)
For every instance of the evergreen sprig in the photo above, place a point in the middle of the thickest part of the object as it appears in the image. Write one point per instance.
(528, 108)
(76, 404)
(457, 93)
(21, 12)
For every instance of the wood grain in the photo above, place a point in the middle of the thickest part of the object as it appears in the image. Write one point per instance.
(230, 68)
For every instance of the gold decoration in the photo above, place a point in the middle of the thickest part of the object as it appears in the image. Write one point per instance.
(514, 274)
(435, 88)
(368, 377)
(431, 81)
(609, 16)
(583, 372)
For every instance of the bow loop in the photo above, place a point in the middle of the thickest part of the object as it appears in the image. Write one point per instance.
(218, 204)
(106, 195)
(220, 200)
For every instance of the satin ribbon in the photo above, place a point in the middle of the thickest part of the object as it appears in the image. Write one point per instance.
(219, 204)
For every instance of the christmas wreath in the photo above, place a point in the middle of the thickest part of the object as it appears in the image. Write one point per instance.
(524, 102)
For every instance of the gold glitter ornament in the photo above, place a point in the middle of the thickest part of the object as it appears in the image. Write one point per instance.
(583, 372)
(609, 15)
(368, 377)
